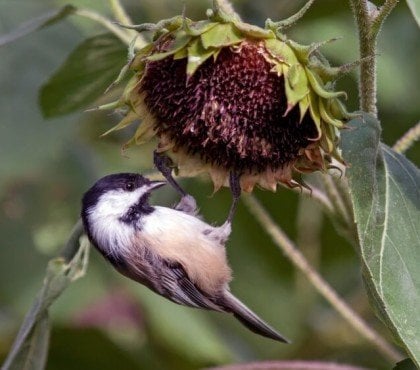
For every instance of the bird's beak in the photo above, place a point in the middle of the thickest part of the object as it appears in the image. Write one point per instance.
(156, 184)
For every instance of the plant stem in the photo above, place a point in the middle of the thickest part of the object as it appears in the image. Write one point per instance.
(309, 225)
(120, 13)
(337, 200)
(299, 261)
(319, 196)
(75, 255)
(369, 21)
(72, 245)
(408, 139)
(122, 17)
(384, 11)
(107, 23)
(367, 48)
(226, 7)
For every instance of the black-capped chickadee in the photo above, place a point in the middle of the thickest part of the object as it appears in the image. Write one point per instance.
(170, 250)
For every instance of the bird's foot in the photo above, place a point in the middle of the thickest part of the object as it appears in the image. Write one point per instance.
(163, 163)
(187, 204)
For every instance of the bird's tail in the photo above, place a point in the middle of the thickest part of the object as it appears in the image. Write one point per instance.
(250, 319)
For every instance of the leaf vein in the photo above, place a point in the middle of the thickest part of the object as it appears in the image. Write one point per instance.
(403, 166)
(402, 260)
(398, 188)
(385, 228)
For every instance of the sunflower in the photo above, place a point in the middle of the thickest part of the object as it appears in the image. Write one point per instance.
(221, 95)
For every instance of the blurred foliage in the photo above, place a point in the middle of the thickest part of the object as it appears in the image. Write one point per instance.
(46, 165)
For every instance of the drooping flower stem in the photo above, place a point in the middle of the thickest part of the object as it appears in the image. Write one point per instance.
(309, 221)
(125, 35)
(369, 20)
(300, 262)
(105, 22)
(119, 12)
(226, 7)
(123, 18)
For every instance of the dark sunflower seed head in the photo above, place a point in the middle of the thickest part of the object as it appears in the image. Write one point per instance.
(230, 111)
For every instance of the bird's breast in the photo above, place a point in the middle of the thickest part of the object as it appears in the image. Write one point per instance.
(178, 237)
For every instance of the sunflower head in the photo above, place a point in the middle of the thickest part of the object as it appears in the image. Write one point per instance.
(221, 95)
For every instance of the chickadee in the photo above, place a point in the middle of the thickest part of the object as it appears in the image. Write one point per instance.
(169, 250)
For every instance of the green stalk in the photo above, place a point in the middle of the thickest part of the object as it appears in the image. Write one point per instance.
(369, 21)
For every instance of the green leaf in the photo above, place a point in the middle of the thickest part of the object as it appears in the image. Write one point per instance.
(406, 364)
(35, 24)
(197, 28)
(254, 31)
(224, 34)
(84, 76)
(31, 344)
(197, 55)
(296, 84)
(414, 6)
(181, 40)
(282, 51)
(385, 191)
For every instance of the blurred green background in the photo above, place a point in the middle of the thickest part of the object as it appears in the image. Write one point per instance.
(104, 321)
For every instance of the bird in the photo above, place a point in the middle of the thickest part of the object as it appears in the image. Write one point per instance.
(170, 250)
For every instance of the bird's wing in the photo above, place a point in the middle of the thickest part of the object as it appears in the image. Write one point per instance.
(167, 278)
(180, 289)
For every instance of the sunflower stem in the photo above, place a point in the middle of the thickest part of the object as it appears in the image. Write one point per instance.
(408, 139)
(226, 6)
(367, 48)
(105, 22)
(119, 12)
(318, 195)
(384, 11)
(309, 226)
(122, 17)
(299, 261)
(369, 21)
(337, 200)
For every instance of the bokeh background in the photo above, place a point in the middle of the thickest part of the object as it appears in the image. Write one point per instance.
(104, 321)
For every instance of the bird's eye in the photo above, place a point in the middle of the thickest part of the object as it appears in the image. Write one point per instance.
(129, 186)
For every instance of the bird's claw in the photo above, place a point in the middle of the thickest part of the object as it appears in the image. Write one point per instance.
(163, 164)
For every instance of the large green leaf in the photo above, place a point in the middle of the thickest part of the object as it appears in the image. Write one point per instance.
(84, 76)
(385, 191)
(30, 348)
(35, 24)
(414, 6)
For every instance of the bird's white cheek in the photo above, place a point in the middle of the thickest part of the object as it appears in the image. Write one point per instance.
(116, 203)
(112, 235)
